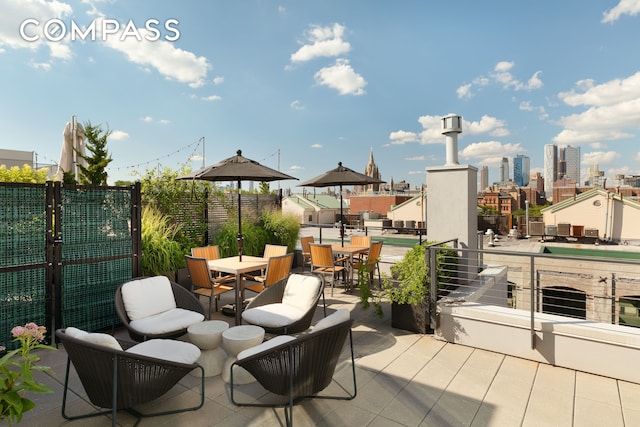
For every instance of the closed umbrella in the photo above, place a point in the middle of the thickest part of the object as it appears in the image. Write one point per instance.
(73, 149)
(340, 176)
(237, 168)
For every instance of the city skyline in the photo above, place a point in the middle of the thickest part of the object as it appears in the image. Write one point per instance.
(301, 87)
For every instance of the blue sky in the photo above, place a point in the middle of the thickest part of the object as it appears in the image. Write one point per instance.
(325, 81)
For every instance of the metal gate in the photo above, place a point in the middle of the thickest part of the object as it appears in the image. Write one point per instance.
(64, 249)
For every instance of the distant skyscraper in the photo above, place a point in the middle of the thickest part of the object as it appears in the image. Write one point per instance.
(504, 170)
(521, 170)
(570, 157)
(484, 178)
(550, 169)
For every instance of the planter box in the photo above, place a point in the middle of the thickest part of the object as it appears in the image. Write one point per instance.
(413, 318)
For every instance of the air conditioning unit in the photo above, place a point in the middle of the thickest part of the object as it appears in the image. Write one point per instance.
(551, 230)
(577, 230)
(564, 230)
(536, 228)
(591, 232)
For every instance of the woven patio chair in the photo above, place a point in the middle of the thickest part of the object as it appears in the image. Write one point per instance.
(300, 367)
(148, 309)
(115, 379)
(278, 268)
(287, 306)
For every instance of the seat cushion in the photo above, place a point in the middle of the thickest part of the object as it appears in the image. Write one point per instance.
(273, 315)
(168, 321)
(301, 291)
(172, 350)
(97, 338)
(147, 297)
(341, 315)
(273, 342)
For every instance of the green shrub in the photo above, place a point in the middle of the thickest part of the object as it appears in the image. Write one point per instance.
(161, 253)
(283, 229)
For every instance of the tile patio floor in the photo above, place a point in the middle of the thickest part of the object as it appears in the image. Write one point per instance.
(403, 379)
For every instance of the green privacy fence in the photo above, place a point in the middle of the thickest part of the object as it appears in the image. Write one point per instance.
(64, 249)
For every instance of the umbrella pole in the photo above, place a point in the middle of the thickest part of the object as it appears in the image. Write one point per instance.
(239, 237)
(341, 219)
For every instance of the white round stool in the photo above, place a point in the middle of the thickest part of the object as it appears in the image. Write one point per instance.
(236, 339)
(207, 336)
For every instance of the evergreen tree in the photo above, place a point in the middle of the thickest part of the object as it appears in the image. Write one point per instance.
(95, 173)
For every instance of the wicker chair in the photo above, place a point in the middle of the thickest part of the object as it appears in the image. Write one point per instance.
(116, 379)
(270, 309)
(184, 299)
(297, 368)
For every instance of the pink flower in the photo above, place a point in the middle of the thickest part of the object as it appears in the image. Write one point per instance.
(2, 348)
(17, 331)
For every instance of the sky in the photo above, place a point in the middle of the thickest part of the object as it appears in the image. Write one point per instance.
(300, 85)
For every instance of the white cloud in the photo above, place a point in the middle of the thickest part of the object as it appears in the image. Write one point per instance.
(600, 157)
(638, 156)
(464, 91)
(196, 157)
(624, 7)
(342, 77)
(489, 151)
(147, 119)
(612, 111)
(118, 135)
(296, 168)
(170, 61)
(415, 158)
(211, 98)
(316, 146)
(401, 137)
(40, 65)
(502, 75)
(164, 121)
(15, 12)
(322, 42)
(218, 80)
(296, 105)
(487, 124)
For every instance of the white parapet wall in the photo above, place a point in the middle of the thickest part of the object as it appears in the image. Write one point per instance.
(583, 345)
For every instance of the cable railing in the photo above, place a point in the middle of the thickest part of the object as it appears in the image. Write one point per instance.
(599, 287)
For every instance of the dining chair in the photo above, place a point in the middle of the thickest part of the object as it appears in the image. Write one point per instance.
(274, 250)
(372, 262)
(306, 252)
(361, 241)
(204, 283)
(210, 253)
(322, 261)
(278, 267)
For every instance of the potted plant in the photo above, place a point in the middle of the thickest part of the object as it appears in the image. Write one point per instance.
(407, 289)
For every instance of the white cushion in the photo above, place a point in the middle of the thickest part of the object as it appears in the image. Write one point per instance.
(146, 297)
(301, 291)
(341, 315)
(274, 342)
(97, 338)
(168, 321)
(172, 350)
(273, 315)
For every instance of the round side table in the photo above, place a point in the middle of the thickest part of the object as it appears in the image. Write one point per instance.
(236, 339)
(207, 336)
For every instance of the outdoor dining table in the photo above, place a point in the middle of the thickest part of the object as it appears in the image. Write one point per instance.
(233, 265)
(349, 250)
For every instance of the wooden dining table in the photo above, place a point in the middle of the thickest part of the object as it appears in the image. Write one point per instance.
(350, 251)
(233, 265)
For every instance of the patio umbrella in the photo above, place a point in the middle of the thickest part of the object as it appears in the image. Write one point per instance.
(340, 176)
(237, 168)
(73, 149)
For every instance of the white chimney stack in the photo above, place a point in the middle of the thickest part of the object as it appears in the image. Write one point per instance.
(452, 126)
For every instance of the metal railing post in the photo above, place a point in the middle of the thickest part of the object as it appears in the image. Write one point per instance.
(431, 255)
(531, 284)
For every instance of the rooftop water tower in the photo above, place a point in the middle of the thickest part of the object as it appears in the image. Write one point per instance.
(451, 127)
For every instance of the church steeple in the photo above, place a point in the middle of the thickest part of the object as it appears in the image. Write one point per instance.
(372, 171)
